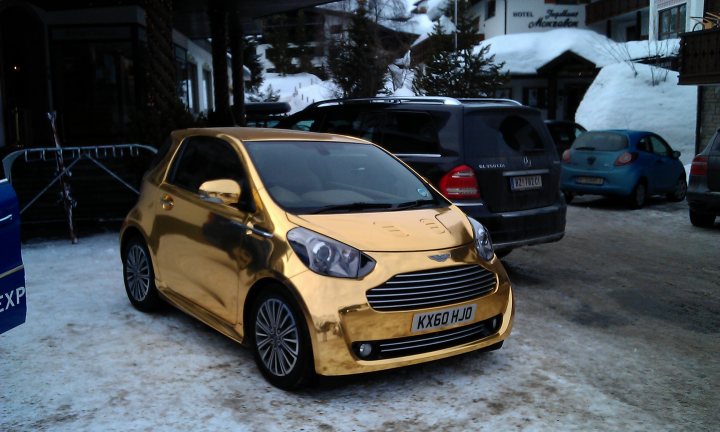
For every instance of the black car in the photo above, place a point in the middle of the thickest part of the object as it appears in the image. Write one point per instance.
(564, 133)
(703, 194)
(492, 157)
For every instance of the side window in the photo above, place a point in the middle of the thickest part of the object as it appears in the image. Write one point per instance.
(659, 147)
(205, 158)
(644, 145)
(305, 124)
(342, 120)
(409, 133)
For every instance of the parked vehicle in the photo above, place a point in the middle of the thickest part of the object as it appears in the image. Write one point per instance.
(323, 253)
(494, 158)
(624, 163)
(703, 193)
(13, 301)
(564, 133)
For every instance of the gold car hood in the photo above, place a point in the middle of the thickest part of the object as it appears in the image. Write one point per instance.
(393, 231)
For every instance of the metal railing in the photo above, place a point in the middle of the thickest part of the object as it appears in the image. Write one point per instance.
(72, 156)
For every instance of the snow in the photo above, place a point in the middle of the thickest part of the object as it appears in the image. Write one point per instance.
(299, 90)
(525, 53)
(618, 99)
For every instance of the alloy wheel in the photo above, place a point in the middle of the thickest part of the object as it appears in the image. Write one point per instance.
(137, 272)
(277, 337)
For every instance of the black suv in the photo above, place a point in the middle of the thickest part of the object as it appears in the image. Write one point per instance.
(492, 157)
(703, 194)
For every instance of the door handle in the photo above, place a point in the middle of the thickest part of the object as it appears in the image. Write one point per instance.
(167, 202)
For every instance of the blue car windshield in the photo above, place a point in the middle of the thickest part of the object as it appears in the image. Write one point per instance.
(330, 177)
(601, 141)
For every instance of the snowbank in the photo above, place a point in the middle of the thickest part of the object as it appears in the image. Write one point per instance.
(299, 90)
(619, 100)
(525, 53)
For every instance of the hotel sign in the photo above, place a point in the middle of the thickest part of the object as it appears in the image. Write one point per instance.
(537, 16)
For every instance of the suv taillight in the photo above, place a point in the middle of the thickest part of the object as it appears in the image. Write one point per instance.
(699, 166)
(626, 158)
(460, 183)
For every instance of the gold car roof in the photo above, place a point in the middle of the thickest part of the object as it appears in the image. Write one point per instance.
(262, 134)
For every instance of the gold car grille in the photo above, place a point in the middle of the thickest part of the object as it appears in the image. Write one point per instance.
(393, 348)
(432, 288)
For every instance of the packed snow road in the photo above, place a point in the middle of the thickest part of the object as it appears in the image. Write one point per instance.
(617, 328)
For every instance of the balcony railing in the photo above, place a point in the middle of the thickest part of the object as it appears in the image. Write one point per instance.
(700, 57)
(606, 9)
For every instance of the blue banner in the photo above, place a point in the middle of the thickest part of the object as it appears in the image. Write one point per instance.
(13, 300)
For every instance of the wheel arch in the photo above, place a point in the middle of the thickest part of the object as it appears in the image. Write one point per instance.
(254, 292)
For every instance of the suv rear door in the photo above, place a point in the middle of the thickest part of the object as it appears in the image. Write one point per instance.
(514, 157)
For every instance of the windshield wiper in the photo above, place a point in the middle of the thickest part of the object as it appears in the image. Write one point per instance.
(584, 148)
(414, 204)
(352, 206)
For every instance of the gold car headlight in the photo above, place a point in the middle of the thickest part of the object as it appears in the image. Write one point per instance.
(329, 257)
(483, 243)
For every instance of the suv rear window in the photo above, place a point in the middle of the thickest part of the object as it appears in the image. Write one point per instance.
(600, 141)
(489, 134)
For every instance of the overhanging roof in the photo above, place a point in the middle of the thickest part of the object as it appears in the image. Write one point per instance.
(191, 16)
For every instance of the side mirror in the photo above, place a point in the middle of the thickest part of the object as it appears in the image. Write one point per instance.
(222, 191)
(676, 154)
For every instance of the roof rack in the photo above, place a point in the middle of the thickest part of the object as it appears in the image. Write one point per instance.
(490, 100)
(440, 100)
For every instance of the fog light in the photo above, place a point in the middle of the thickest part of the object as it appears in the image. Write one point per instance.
(365, 349)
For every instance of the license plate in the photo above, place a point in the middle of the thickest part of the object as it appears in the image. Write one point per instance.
(590, 180)
(525, 182)
(443, 318)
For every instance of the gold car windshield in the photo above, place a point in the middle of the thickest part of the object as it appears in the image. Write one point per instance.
(331, 177)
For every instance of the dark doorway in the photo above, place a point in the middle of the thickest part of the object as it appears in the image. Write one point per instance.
(573, 96)
(23, 77)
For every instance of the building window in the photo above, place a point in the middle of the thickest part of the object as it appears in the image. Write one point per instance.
(490, 9)
(535, 97)
(671, 22)
(207, 84)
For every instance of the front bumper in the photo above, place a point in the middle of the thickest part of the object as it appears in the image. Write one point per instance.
(338, 314)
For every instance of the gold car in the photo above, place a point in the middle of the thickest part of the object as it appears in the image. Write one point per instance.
(325, 254)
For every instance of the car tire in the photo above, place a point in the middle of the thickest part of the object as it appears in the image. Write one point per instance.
(680, 190)
(638, 197)
(703, 220)
(282, 352)
(569, 196)
(139, 276)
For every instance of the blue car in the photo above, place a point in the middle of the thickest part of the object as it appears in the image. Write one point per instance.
(623, 163)
(13, 306)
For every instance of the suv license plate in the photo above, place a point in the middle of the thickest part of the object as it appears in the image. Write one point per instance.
(443, 318)
(526, 182)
